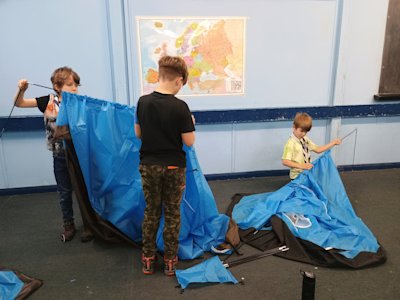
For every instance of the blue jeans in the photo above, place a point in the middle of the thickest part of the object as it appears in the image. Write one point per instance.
(64, 187)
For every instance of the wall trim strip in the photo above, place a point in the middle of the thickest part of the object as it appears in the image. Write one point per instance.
(34, 123)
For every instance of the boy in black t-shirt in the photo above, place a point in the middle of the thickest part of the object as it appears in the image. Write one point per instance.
(64, 79)
(164, 124)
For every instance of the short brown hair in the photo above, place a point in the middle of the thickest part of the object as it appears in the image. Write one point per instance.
(170, 67)
(60, 76)
(303, 121)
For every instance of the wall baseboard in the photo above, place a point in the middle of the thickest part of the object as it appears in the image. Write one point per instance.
(28, 190)
(272, 173)
(243, 175)
(211, 177)
(346, 168)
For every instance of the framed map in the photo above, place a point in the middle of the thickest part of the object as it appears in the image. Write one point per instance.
(213, 49)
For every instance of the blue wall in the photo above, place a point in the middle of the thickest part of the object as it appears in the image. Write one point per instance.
(283, 39)
(323, 57)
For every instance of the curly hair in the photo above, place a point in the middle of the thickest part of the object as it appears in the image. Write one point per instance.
(61, 75)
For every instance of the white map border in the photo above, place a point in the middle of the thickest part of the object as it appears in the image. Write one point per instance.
(155, 18)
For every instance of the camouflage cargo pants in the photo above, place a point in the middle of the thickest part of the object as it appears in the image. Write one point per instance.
(162, 188)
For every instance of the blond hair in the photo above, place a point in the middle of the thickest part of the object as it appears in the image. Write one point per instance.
(302, 120)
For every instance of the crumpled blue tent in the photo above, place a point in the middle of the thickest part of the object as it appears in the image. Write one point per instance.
(315, 207)
(108, 153)
(210, 270)
(10, 285)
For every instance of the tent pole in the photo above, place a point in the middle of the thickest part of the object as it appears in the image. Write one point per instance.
(255, 257)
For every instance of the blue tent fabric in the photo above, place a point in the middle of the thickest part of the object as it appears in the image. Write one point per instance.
(210, 270)
(315, 207)
(10, 285)
(108, 153)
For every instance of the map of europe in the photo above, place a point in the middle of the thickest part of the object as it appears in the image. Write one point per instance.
(213, 50)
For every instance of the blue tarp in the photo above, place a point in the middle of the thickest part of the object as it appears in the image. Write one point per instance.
(211, 270)
(10, 285)
(315, 207)
(108, 154)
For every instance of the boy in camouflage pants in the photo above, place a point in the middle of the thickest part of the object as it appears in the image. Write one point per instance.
(164, 123)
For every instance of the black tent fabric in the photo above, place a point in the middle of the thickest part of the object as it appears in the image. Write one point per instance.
(101, 229)
(302, 250)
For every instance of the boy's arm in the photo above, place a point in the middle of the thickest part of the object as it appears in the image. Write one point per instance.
(19, 99)
(188, 138)
(292, 164)
(328, 146)
(138, 131)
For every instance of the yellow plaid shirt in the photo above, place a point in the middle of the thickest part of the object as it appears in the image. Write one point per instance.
(294, 151)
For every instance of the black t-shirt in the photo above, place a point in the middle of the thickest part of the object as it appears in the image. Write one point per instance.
(162, 119)
(42, 102)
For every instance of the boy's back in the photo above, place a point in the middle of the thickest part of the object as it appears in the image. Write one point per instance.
(163, 118)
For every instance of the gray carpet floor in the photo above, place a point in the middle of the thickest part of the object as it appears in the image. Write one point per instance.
(29, 242)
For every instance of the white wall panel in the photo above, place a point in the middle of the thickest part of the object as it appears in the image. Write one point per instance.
(375, 142)
(259, 146)
(214, 148)
(39, 36)
(28, 162)
(361, 48)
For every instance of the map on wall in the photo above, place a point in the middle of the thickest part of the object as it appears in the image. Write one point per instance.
(213, 49)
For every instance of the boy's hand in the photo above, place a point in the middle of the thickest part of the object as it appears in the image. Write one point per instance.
(337, 141)
(307, 166)
(23, 84)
